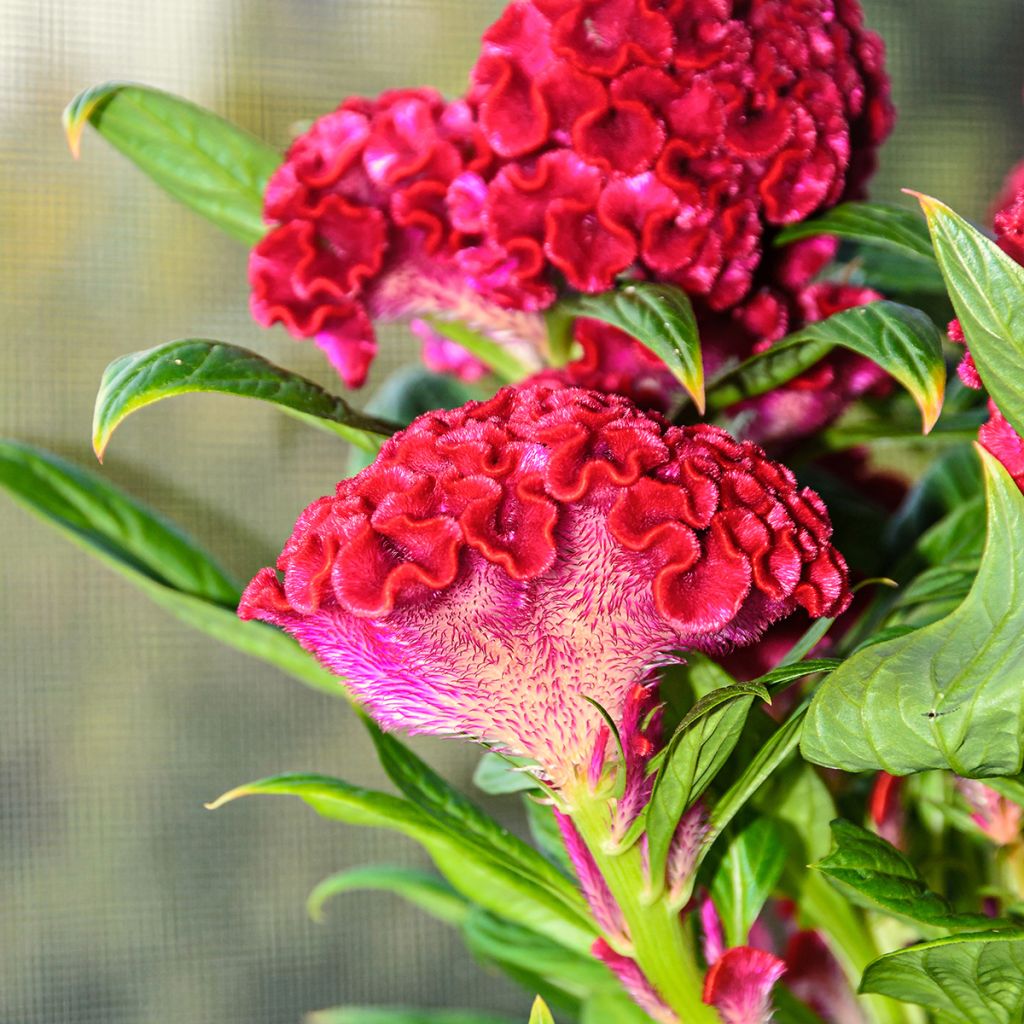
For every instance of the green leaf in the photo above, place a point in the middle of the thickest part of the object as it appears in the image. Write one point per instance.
(882, 224)
(987, 290)
(968, 979)
(560, 974)
(613, 1008)
(425, 891)
(207, 163)
(383, 1015)
(950, 695)
(499, 775)
(546, 835)
(775, 752)
(153, 555)
(481, 874)
(455, 812)
(659, 316)
(874, 874)
(495, 356)
(540, 1014)
(692, 759)
(902, 340)
(746, 875)
(195, 365)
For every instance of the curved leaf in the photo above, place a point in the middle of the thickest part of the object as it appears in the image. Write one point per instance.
(987, 290)
(151, 554)
(876, 875)
(207, 163)
(390, 1015)
(874, 223)
(661, 317)
(540, 1014)
(426, 891)
(969, 979)
(195, 365)
(497, 357)
(902, 340)
(484, 875)
(949, 695)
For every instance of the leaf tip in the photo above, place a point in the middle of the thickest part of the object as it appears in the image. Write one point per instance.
(229, 797)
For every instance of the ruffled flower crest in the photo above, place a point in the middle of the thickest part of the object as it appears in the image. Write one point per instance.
(501, 563)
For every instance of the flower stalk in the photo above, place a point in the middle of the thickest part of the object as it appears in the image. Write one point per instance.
(663, 945)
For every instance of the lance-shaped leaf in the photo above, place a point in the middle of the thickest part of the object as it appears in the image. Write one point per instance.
(949, 695)
(876, 875)
(484, 875)
(450, 808)
(882, 224)
(661, 317)
(966, 979)
(386, 1015)
(540, 1014)
(902, 340)
(423, 890)
(693, 757)
(495, 356)
(987, 290)
(613, 1008)
(195, 365)
(151, 554)
(207, 163)
(746, 875)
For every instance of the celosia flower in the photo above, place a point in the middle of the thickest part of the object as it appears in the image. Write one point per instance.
(671, 136)
(501, 563)
(361, 229)
(442, 355)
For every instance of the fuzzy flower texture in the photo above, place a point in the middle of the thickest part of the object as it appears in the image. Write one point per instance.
(503, 562)
(664, 139)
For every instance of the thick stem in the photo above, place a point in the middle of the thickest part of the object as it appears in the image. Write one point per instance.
(662, 945)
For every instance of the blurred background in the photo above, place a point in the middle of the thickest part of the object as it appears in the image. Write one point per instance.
(121, 899)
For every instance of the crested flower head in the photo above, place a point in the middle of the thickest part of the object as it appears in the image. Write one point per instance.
(503, 565)
(360, 227)
(667, 136)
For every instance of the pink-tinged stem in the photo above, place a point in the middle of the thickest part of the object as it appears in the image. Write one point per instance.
(662, 945)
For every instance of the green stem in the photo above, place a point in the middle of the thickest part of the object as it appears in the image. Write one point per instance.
(662, 945)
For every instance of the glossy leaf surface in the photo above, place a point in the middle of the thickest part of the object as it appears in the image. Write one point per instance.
(205, 162)
(949, 695)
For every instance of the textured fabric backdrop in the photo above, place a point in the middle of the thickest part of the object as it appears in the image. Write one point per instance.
(121, 899)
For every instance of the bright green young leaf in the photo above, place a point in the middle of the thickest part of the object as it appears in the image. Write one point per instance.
(151, 554)
(384, 1015)
(661, 317)
(692, 759)
(882, 224)
(425, 891)
(561, 975)
(967, 979)
(455, 812)
(987, 290)
(874, 874)
(540, 1014)
(746, 875)
(949, 695)
(207, 163)
(613, 1008)
(195, 365)
(903, 341)
(482, 875)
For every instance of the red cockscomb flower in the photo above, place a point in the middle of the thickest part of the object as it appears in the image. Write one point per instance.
(502, 562)
(666, 135)
(361, 227)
